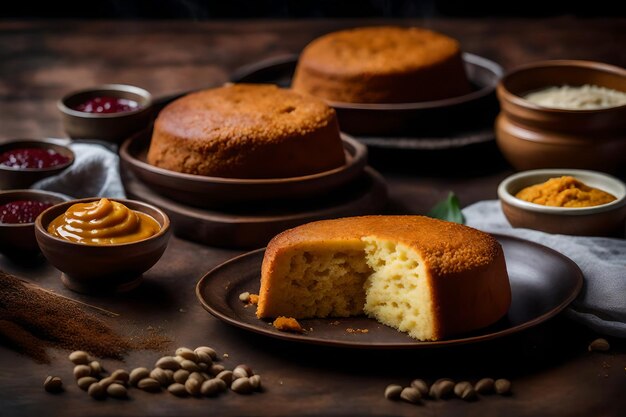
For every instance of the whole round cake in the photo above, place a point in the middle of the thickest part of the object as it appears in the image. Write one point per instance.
(426, 277)
(247, 131)
(384, 64)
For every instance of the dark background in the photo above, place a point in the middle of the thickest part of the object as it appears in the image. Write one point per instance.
(226, 9)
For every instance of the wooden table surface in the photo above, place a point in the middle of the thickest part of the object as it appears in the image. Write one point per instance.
(552, 372)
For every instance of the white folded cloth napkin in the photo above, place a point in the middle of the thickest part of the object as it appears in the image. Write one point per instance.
(94, 173)
(601, 304)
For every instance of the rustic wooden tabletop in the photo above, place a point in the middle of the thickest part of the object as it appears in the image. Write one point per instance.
(552, 372)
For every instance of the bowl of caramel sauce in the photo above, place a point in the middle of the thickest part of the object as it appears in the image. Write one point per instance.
(102, 244)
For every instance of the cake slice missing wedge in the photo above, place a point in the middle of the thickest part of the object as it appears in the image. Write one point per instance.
(425, 277)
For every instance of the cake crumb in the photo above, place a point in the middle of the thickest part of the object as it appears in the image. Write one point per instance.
(287, 324)
(334, 323)
(225, 355)
(351, 330)
(249, 299)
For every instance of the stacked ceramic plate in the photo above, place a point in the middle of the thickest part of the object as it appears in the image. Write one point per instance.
(246, 213)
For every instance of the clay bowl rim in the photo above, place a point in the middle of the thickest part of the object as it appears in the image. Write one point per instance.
(39, 143)
(360, 154)
(505, 94)
(67, 204)
(125, 88)
(42, 193)
(505, 191)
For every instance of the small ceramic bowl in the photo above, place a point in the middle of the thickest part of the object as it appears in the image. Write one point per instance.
(531, 136)
(104, 268)
(17, 240)
(602, 220)
(112, 127)
(13, 178)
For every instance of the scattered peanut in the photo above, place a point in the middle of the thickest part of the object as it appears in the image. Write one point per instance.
(79, 357)
(138, 374)
(189, 372)
(97, 391)
(117, 391)
(392, 392)
(81, 371)
(503, 386)
(85, 382)
(411, 395)
(53, 384)
(601, 345)
(441, 389)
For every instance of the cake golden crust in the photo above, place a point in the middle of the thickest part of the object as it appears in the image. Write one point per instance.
(465, 268)
(247, 131)
(384, 64)
(447, 247)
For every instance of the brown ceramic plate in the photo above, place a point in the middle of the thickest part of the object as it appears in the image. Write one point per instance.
(211, 192)
(430, 118)
(458, 140)
(540, 290)
(253, 225)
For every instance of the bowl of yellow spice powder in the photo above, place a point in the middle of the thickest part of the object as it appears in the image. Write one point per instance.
(565, 201)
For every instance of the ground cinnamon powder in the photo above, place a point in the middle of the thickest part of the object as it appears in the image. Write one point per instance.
(32, 320)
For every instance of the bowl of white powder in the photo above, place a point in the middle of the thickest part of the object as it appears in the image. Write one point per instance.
(563, 114)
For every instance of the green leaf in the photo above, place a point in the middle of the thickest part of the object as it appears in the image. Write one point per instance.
(448, 209)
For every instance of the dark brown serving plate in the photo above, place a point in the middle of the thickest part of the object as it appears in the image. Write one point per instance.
(540, 289)
(253, 225)
(449, 116)
(216, 192)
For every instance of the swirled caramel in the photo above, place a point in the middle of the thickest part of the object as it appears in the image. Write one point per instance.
(103, 222)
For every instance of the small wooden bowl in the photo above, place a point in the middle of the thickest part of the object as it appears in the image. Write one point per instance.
(112, 127)
(14, 178)
(17, 240)
(105, 268)
(532, 136)
(602, 220)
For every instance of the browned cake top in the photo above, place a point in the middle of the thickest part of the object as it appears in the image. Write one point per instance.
(446, 247)
(244, 112)
(385, 49)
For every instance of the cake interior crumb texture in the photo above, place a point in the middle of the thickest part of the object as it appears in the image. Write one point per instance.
(382, 279)
(397, 292)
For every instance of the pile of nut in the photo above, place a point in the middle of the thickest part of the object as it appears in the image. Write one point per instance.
(188, 373)
(444, 388)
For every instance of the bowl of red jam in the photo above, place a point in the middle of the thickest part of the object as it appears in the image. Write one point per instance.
(110, 112)
(18, 211)
(26, 161)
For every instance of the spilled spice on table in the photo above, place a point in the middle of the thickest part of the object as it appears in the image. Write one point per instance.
(32, 320)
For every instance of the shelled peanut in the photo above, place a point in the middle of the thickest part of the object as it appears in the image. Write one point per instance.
(445, 388)
(187, 373)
